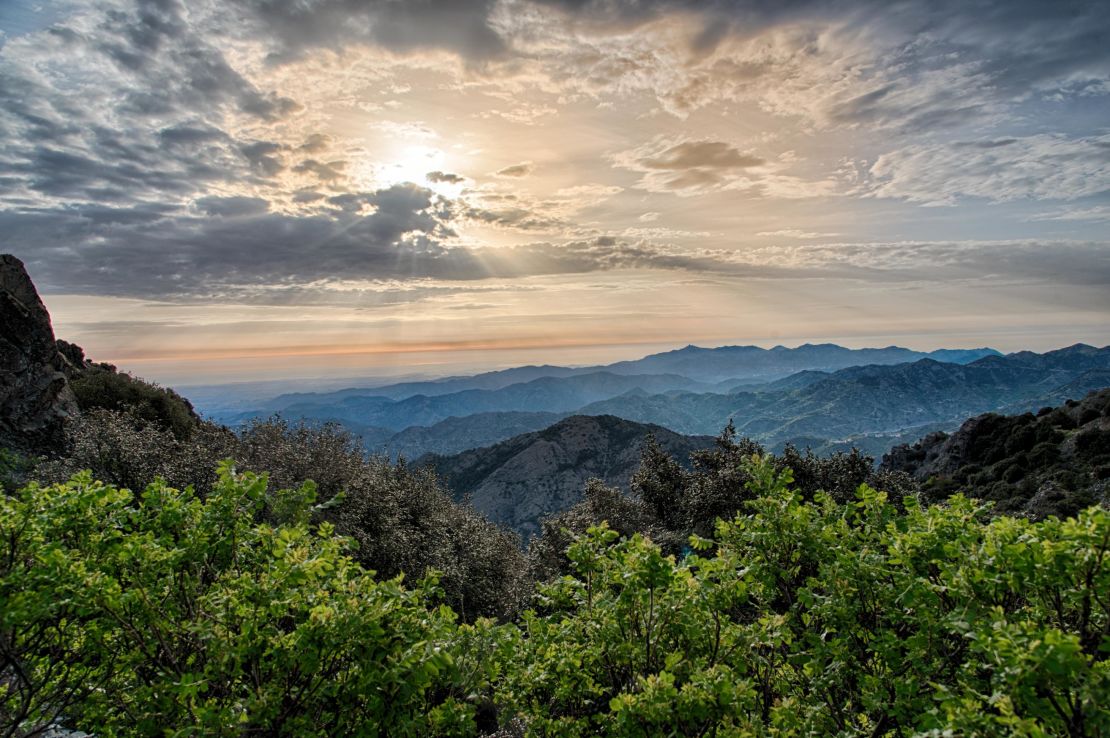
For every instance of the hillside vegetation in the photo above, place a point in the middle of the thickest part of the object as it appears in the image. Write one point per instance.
(241, 613)
(1054, 462)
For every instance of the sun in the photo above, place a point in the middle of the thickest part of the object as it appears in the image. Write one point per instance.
(414, 164)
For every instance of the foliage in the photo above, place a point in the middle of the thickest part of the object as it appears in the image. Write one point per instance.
(98, 387)
(14, 468)
(818, 618)
(672, 503)
(401, 519)
(1054, 462)
(127, 450)
(625, 515)
(165, 614)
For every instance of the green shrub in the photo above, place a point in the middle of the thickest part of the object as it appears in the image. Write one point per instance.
(816, 618)
(110, 390)
(162, 614)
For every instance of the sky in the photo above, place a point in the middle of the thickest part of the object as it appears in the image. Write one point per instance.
(217, 191)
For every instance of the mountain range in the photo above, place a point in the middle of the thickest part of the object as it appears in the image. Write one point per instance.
(448, 415)
(874, 399)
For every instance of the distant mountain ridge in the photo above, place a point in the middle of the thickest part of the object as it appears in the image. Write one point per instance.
(709, 365)
(871, 399)
(544, 394)
(412, 416)
(870, 405)
(734, 362)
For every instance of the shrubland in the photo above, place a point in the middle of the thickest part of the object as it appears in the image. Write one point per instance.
(243, 611)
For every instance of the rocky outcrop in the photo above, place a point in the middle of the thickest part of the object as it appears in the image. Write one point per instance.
(35, 398)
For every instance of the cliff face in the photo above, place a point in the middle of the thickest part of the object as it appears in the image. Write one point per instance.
(35, 398)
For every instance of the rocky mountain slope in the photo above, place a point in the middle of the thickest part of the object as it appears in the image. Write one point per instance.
(35, 398)
(1056, 461)
(521, 480)
(45, 381)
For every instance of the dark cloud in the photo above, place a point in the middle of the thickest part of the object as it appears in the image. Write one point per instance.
(445, 177)
(263, 157)
(155, 40)
(460, 26)
(232, 206)
(324, 171)
(315, 143)
(142, 115)
(231, 246)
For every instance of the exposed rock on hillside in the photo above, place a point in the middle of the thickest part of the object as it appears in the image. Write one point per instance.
(35, 398)
(521, 480)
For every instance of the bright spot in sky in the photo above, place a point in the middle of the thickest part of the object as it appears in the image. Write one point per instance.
(412, 164)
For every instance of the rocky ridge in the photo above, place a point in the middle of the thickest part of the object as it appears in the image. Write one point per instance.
(35, 397)
(519, 481)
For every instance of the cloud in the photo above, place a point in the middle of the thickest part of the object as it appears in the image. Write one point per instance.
(232, 206)
(694, 155)
(795, 233)
(237, 250)
(912, 68)
(324, 171)
(1040, 167)
(689, 167)
(127, 104)
(444, 178)
(1085, 263)
(1096, 213)
(516, 170)
(292, 29)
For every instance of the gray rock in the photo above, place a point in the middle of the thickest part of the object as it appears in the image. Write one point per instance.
(35, 398)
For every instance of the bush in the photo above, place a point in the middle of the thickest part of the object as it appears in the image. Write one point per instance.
(164, 614)
(103, 389)
(401, 520)
(817, 618)
(168, 614)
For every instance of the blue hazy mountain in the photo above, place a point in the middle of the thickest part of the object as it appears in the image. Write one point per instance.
(874, 399)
